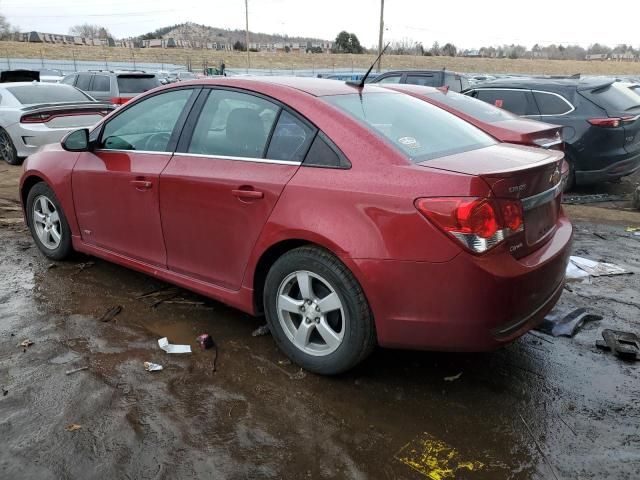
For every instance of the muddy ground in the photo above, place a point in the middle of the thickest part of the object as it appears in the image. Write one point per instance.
(542, 407)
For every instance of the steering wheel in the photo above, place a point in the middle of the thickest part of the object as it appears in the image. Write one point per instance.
(157, 142)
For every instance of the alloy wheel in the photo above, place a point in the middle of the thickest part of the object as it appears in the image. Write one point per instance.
(311, 313)
(6, 148)
(46, 222)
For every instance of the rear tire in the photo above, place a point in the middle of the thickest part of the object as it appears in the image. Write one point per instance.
(48, 223)
(8, 150)
(317, 311)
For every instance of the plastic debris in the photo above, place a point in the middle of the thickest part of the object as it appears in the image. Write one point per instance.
(625, 345)
(595, 198)
(574, 273)
(561, 322)
(453, 378)
(152, 367)
(632, 229)
(73, 427)
(260, 331)
(111, 313)
(595, 269)
(205, 341)
(164, 344)
(75, 370)
(25, 343)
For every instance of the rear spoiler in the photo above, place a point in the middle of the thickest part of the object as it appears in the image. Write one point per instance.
(596, 86)
(68, 105)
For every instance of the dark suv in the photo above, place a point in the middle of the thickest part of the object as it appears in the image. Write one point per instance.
(115, 87)
(600, 119)
(428, 78)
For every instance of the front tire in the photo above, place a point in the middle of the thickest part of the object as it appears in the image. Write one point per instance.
(8, 150)
(317, 311)
(48, 223)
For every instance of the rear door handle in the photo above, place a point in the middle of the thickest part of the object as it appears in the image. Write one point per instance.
(141, 184)
(253, 194)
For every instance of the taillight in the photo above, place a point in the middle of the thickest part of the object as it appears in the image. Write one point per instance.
(612, 122)
(478, 223)
(119, 100)
(35, 118)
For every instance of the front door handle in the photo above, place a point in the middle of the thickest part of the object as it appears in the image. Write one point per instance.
(252, 194)
(141, 184)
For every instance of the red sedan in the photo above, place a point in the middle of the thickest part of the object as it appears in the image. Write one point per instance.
(349, 217)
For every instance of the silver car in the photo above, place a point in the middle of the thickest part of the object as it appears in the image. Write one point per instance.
(33, 114)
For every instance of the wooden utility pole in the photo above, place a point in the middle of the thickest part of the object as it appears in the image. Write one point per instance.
(246, 32)
(380, 38)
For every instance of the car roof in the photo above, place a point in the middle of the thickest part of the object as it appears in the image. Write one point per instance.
(34, 83)
(317, 87)
(553, 82)
(423, 71)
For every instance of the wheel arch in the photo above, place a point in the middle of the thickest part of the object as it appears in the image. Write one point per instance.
(26, 186)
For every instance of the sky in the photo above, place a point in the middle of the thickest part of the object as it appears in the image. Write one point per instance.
(467, 23)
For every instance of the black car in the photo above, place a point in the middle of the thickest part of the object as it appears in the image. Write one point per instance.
(600, 119)
(429, 78)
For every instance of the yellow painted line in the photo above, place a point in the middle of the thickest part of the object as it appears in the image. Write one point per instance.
(434, 458)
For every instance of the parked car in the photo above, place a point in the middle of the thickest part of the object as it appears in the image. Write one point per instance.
(350, 216)
(348, 77)
(163, 77)
(33, 114)
(181, 76)
(9, 76)
(112, 86)
(51, 75)
(600, 119)
(429, 78)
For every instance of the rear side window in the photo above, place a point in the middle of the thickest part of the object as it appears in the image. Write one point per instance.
(472, 107)
(419, 130)
(101, 83)
(137, 83)
(233, 124)
(84, 80)
(519, 102)
(614, 98)
(290, 140)
(426, 80)
(551, 104)
(47, 93)
(323, 153)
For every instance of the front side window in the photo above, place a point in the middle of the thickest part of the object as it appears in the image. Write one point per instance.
(389, 79)
(147, 125)
(233, 124)
(419, 130)
(290, 139)
(514, 101)
(551, 104)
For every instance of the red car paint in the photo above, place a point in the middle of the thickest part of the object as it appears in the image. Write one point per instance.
(177, 219)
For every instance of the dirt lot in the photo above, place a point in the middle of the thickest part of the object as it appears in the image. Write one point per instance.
(543, 407)
(302, 61)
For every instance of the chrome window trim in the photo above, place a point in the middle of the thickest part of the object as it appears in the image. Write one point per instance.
(201, 155)
(572, 108)
(541, 198)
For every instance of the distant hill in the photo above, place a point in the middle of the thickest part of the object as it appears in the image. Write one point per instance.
(204, 34)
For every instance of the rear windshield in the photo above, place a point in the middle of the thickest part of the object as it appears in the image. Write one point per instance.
(43, 93)
(473, 107)
(614, 98)
(420, 130)
(137, 83)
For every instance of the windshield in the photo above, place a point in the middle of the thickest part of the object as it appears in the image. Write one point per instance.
(471, 106)
(137, 83)
(43, 93)
(419, 130)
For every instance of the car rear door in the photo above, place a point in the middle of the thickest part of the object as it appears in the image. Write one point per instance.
(115, 186)
(100, 87)
(237, 152)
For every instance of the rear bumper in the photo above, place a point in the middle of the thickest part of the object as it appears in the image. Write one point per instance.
(471, 303)
(613, 171)
(28, 140)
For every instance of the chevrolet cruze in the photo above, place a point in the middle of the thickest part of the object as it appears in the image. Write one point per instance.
(350, 217)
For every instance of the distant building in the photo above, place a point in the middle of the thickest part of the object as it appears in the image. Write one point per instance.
(596, 56)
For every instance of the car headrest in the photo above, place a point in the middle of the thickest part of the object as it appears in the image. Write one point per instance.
(245, 131)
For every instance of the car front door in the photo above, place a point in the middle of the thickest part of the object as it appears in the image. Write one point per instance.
(115, 186)
(514, 100)
(237, 152)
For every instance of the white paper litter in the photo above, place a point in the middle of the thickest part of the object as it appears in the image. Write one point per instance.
(596, 269)
(575, 273)
(164, 344)
(152, 367)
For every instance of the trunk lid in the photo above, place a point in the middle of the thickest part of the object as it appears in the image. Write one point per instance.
(531, 132)
(531, 175)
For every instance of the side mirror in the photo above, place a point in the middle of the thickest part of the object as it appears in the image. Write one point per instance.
(76, 141)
